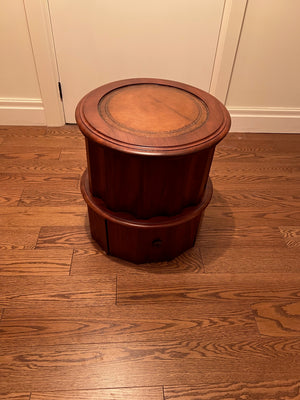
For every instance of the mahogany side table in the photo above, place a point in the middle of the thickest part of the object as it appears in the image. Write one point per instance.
(150, 145)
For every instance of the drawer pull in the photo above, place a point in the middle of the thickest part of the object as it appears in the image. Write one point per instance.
(157, 243)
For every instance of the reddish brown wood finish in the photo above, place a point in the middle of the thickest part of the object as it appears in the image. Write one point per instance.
(150, 145)
(147, 186)
(139, 240)
(112, 132)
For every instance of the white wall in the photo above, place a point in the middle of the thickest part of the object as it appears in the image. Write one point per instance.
(264, 92)
(20, 98)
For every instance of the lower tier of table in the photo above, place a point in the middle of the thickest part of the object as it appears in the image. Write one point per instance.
(143, 240)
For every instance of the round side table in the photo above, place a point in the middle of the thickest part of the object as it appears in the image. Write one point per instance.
(150, 145)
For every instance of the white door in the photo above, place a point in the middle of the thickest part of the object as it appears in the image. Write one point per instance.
(99, 41)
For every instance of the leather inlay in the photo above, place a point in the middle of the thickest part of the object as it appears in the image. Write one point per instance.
(152, 109)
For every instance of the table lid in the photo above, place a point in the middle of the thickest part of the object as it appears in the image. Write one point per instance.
(152, 116)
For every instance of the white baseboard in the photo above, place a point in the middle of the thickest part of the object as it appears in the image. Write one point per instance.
(269, 120)
(21, 112)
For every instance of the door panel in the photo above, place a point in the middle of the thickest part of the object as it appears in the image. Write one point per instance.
(100, 41)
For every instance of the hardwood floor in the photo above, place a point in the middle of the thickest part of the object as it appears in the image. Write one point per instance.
(221, 321)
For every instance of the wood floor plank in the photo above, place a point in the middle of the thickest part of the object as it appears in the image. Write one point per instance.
(141, 312)
(291, 235)
(10, 196)
(265, 154)
(67, 131)
(269, 155)
(12, 180)
(261, 142)
(29, 361)
(237, 145)
(137, 393)
(228, 216)
(143, 288)
(278, 318)
(73, 154)
(14, 396)
(48, 196)
(234, 150)
(224, 179)
(256, 198)
(253, 174)
(262, 157)
(51, 141)
(96, 374)
(238, 236)
(43, 216)
(22, 131)
(73, 237)
(66, 136)
(255, 259)
(264, 169)
(36, 333)
(34, 291)
(69, 167)
(260, 390)
(59, 355)
(54, 323)
(35, 262)
(28, 152)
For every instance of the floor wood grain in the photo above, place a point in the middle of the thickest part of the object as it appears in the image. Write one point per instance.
(27, 291)
(145, 393)
(255, 198)
(12, 180)
(25, 152)
(63, 237)
(63, 320)
(14, 396)
(278, 318)
(32, 165)
(291, 235)
(244, 260)
(21, 238)
(289, 389)
(44, 196)
(153, 373)
(221, 321)
(10, 196)
(241, 216)
(43, 216)
(137, 288)
(35, 262)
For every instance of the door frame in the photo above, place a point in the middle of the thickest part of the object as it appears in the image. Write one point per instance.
(228, 42)
(43, 46)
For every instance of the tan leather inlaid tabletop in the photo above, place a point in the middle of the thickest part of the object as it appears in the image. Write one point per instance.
(151, 109)
(152, 116)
